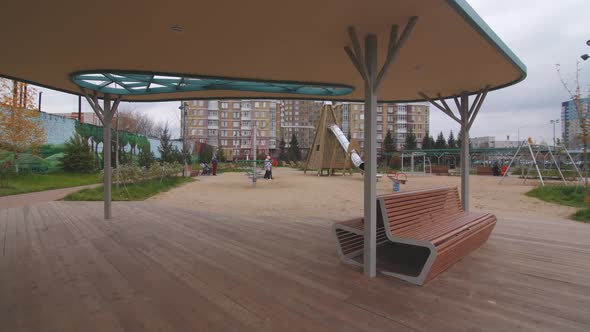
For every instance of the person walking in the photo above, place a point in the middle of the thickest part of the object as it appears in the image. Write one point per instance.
(214, 163)
(268, 168)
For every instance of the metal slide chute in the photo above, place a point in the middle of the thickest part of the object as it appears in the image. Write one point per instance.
(344, 143)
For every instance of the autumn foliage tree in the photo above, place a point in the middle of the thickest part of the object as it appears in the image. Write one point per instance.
(20, 128)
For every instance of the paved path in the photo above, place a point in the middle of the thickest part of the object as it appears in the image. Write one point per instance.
(39, 197)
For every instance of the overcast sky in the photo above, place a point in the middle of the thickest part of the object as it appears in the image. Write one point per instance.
(542, 33)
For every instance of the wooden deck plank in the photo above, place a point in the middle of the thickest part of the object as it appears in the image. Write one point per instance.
(156, 268)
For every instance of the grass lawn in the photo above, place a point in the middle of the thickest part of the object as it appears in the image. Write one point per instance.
(135, 192)
(565, 195)
(39, 182)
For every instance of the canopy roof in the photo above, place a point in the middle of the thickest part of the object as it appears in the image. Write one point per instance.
(297, 46)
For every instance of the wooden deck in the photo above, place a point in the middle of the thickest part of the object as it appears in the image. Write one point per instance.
(152, 268)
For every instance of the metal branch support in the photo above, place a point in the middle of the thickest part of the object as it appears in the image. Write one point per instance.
(366, 65)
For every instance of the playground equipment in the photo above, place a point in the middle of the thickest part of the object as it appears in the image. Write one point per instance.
(397, 179)
(419, 162)
(538, 153)
(331, 149)
(253, 172)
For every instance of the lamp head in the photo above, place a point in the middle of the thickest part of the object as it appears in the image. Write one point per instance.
(585, 57)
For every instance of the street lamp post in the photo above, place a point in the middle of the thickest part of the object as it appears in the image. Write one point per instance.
(554, 122)
(586, 56)
(183, 108)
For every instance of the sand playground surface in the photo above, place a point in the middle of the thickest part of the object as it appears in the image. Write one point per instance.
(338, 198)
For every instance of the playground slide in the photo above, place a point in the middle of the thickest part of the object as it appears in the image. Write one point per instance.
(354, 156)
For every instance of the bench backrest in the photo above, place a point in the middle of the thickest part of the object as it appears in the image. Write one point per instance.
(409, 209)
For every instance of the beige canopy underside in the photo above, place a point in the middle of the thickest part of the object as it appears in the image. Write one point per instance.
(302, 41)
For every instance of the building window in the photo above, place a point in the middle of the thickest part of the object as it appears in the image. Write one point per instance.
(224, 105)
(379, 109)
(201, 132)
(379, 118)
(236, 115)
(194, 122)
(201, 103)
(236, 124)
(379, 136)
(194, 112)
(202, 113)
(257, 104)
(224, 115)
(389, 109)
(201, 122)
(193, 132)
(379, 127)
(237, 106)
(390, 118)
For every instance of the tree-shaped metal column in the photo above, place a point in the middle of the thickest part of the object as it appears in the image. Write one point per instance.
(467, 115)
(105, 114)
(366, 65)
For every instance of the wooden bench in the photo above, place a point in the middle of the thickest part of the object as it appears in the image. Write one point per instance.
(439, 170)
(420, 234)
(484, 170)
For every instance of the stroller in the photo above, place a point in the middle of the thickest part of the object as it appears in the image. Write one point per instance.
(205, 169)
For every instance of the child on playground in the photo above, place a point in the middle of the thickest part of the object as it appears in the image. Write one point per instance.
(268, 168)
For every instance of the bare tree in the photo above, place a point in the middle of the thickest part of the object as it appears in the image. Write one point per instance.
(582, 110)
(138, 123)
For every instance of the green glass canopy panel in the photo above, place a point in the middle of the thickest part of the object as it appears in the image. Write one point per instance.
(129, 83)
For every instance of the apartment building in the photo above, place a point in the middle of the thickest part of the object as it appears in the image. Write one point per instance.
(298, 117)
(229, 123)
(570, 123)
(399, 119)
